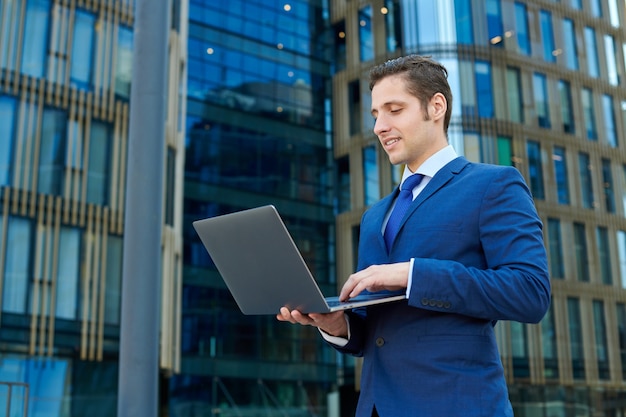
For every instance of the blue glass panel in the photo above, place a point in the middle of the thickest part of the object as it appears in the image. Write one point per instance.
(52, 152)
(586, 184)
(592, 52)
(570, 46)
(484, 91)
(494, 23)
(547, 38)
(17, 265)
(370, 176)
(124, 62)
(82, 49)
(7, 121)
(464, 24)
(366, 36)
(609, 120)
(540, 89)
(101, 137)
(35, 37)
(535, 169)
(560, 172)
(521, 24)
(589, 113)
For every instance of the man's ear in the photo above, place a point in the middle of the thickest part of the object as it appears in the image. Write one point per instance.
(438, 106)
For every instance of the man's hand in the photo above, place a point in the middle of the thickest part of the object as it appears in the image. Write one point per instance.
(332, 323)
(391, 277)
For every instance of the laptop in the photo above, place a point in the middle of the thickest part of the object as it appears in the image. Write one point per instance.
(263, 268)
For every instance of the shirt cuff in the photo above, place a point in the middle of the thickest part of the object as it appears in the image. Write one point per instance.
(336, 340)
(409, 281)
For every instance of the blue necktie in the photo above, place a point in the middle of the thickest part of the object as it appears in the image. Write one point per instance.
(402, 204)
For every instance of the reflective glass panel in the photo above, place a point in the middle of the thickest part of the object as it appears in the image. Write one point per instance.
(17, 265)
(35, 37)
(609, 120)
(7, 121)
(521, 24)
(570, 50)
(591, 49)
(586, 185)
(366, 35)
(82, 49)
(560, 172)
(535, 169)
(580, 250)
(547, 36)
(52, 153)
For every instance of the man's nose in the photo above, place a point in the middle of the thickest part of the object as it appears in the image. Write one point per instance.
(380, 126)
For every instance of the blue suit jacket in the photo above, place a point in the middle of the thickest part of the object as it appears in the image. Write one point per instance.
(479, 257)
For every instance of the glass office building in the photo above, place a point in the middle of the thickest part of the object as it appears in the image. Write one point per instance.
(257, 132)
(65, 82)
(538, 85)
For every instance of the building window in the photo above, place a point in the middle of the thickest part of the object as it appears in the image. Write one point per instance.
(567, 113)
(576, 4)
(609, 120)
(580, 252)
(354, 107)
(494, 23)
(547, 36)
(100, 140)
(343, 184)
(560, 173)
(621, 253)
(8, 114)
(613, 13)
(484, 89)
(17, 264)
(609, 193)
(522, 33)
(464, 23)
(519, 350)
(621, 335)
(599, 327)
(589, 113)
(371, 183)
(540, 89)
(366, 36)
(570, 50)
(535, 170)
(113, 285)
(591, 49)
(596, 8)
(514, 95)
(586, 185)
(35, 48)
(83, 49)
(548, 342)
(52, 152)
(604, 255)
(610, 53)
(170, 186)
(393, 26)
(576, 338)
(556, 249)
(124, 62)
(68, 273)
(505, 153)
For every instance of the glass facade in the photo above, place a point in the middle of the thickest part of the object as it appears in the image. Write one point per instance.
(258, 132)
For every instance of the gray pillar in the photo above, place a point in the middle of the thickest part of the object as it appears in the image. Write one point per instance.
(140, 316)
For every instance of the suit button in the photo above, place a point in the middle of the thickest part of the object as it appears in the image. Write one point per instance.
(432, 303)
(424, 301)
(380, 341)
(447, 304)
(439, 304)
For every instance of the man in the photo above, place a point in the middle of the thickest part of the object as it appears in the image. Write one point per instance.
(469, 251)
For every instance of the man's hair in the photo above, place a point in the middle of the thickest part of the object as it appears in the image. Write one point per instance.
(424, 78)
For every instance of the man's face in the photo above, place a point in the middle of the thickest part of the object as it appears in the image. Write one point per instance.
(407, 134)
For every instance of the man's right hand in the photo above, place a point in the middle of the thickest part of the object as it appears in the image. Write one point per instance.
(332, 323)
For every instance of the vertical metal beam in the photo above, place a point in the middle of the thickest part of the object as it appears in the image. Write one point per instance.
(139, 339)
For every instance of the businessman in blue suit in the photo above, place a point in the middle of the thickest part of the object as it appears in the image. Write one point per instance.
(468, 251)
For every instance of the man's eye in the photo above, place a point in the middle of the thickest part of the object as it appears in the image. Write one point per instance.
(395, 110)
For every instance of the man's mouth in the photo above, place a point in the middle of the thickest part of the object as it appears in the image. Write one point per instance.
(390, 142)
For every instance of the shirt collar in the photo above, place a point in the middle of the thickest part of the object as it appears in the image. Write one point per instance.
(433, 164)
